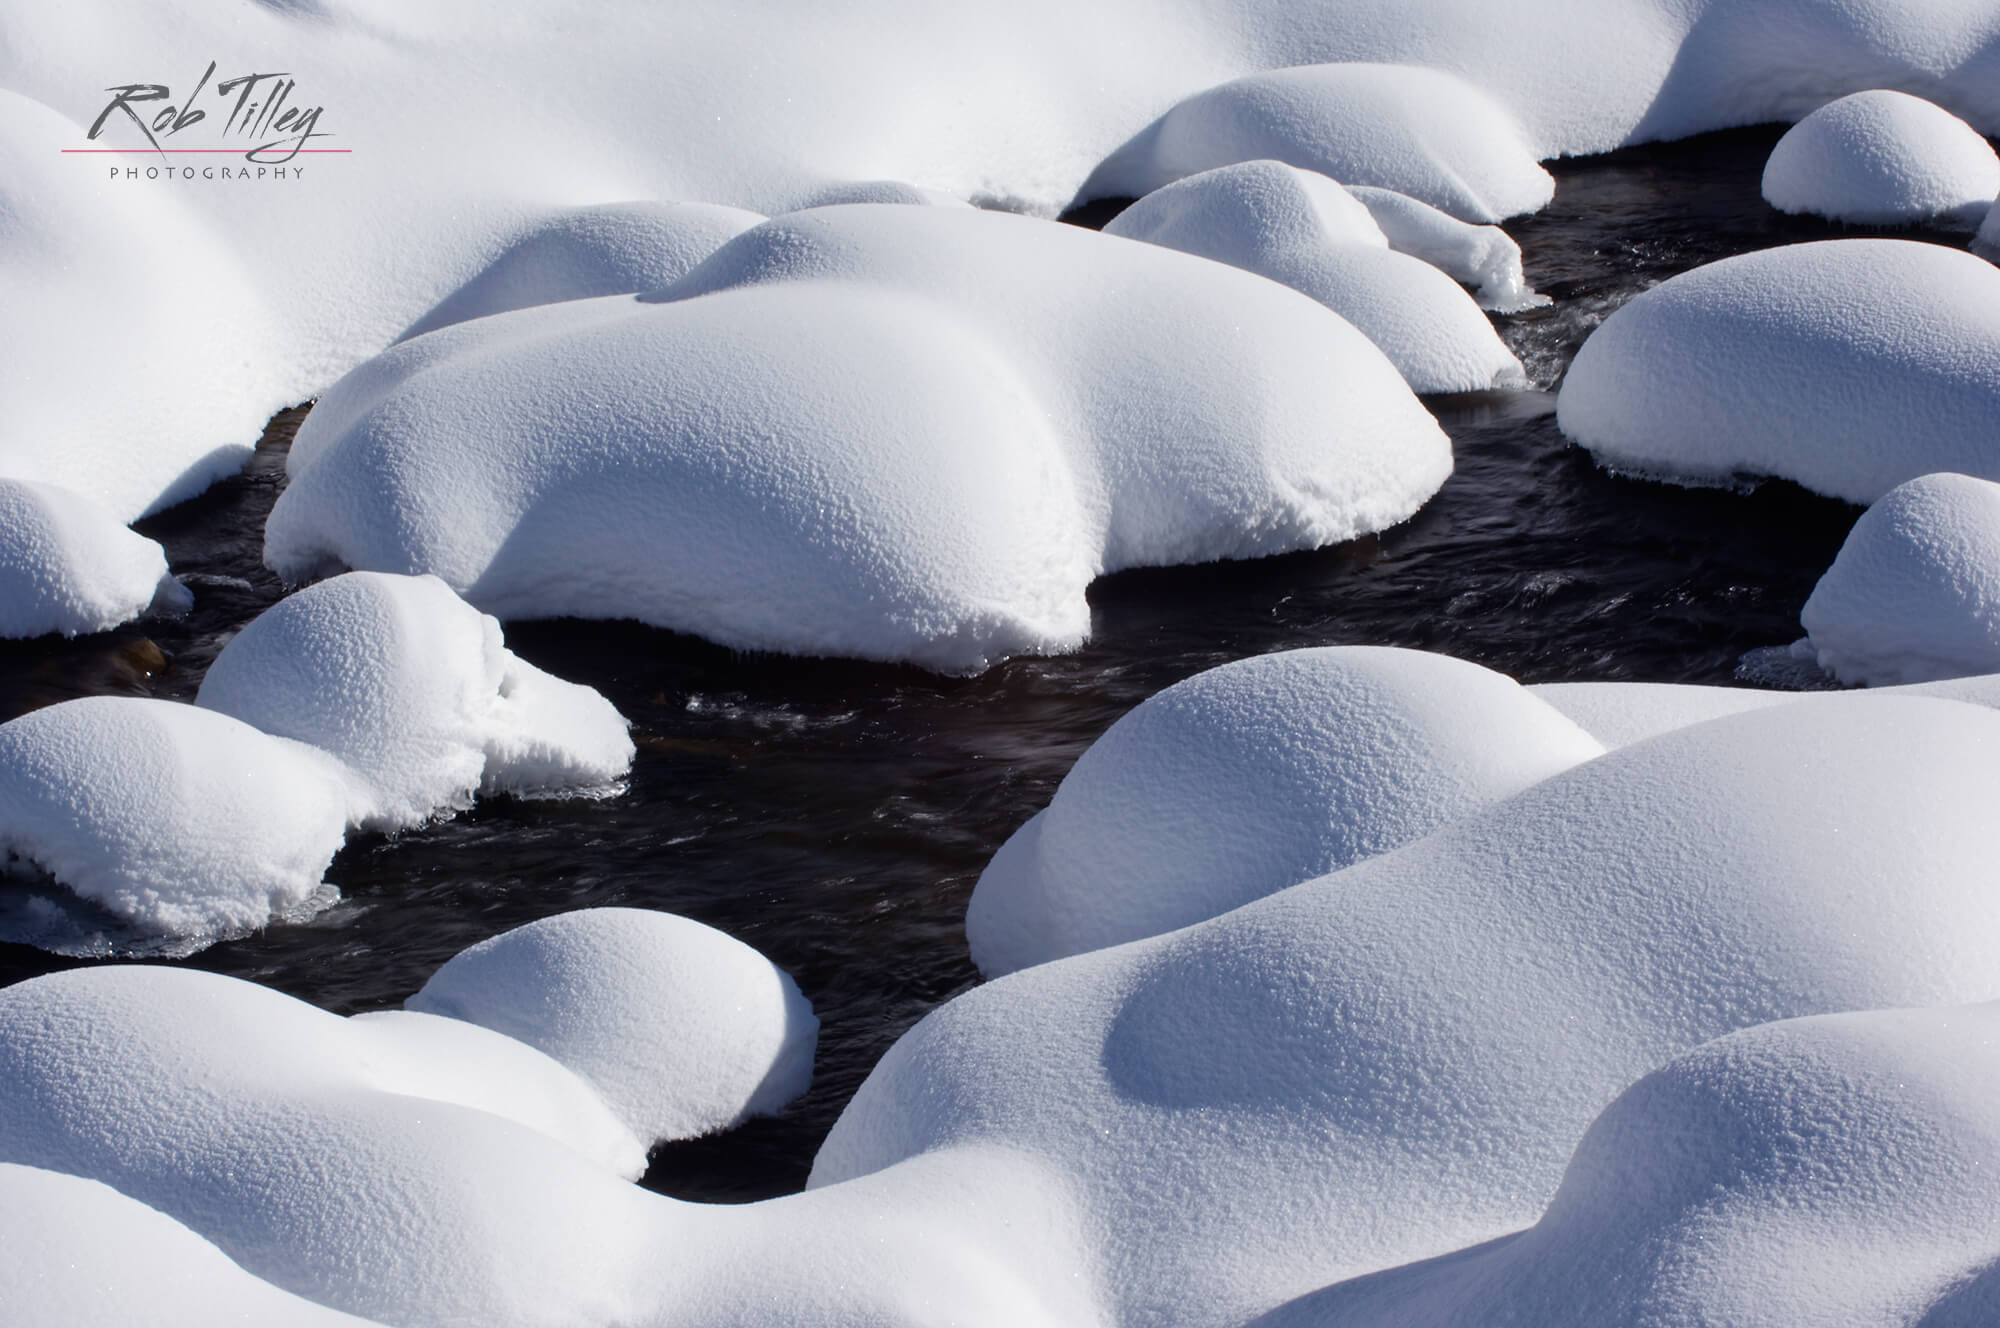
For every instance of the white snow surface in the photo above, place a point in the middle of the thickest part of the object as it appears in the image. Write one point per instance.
(1848, 366)
(1252, 777)
(416, 692)
(1396, 1061)
(69, 566)
(1914, 593)
(1835, 1169)
(1885, 159)
(177, 820)
(1482, 256)
(1419, 131)
(885, 431)
(1619, 714)
(683, 1029)
(1303, 230)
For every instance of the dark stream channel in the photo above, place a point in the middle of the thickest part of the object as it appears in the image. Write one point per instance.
(835, 815)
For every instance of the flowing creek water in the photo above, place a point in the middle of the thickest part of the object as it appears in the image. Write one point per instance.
(835, 815)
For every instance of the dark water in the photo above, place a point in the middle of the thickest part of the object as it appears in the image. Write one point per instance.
(835, 815)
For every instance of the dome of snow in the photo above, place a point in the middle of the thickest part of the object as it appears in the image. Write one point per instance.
(1883, 158)
(1482, 256)
(69, 566)
(1914, 594)
(683, 1029)
(1419, 131)
(891, 432)
(1397, 1060)
(1304, 231)
(611, 249)
(415, 690)
(1848, 366)
(1619, 714)
(879, 191)
(173, 819)
(1252, 777)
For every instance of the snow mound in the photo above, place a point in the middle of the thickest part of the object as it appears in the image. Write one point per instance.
(1397, 1060)
(683, 1029)
(415, 690)
(1848, 366)
(1883, 158)
(1485, 257)
(892, 432)
(1619, 714)
(1303, 230)
(611, 249)
(880, 191)
(69, 566)
(1419, 131)
(1813, 1171)
(1252, 777)
(175, 820)
(1914, 594)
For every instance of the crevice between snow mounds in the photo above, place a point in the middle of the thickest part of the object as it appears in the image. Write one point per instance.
(889, 432)
(368, 701)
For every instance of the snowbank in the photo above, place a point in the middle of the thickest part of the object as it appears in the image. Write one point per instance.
(892, 432)
(683, 1029)
(1813, 1171)
(1914, 594)
(1252, 777)
(1419, 131)
(1303, 230)
(879, 191)
(416, 692)
(1619, 714)
(1884, 159)
(69, 566)
(1397, 1060)
(1848, 366)
(1482, 256)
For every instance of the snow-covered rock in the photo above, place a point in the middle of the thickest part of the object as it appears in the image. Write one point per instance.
(1835, 1169)
(683, 1029)
(1419, 131)
(175, 820)
(1485, 257)
(1253, 777)
(1303, 230)
(1397, 1060)
(1848, 366)
(611, 249)
(1914, 594)
(69, 566)
(880, 191)
(893, 432)
(1884, 158)
(416, 692)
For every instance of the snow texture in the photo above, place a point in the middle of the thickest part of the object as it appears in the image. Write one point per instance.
(1419, 131)
(1884, 158)
(1914, 594)
(683, 1029)
(1252, 777)
(884, 431)
(416, 692)
(1396, 1061)
(1303, 230)
(1848, 366)
(1482, 256)
(1619, 714)
(69, 566)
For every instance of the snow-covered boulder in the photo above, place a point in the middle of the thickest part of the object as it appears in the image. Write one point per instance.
(416, 692)
(880, 191)
(1419, 131)
(1619, 714)
(1252, 777)
(1397, 1060)
(1884, 158)
(892, 432)
(69, 566)
(683, 1029)
(173, 819)
(1484, 257)
(1848, 366)
(1914, 594)
(1835, 1169)
(1303, 230)
(611, 249)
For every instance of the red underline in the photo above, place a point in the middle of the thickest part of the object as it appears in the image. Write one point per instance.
(234, 152)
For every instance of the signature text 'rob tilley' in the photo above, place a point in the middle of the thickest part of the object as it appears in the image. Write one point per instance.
(258, 112)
